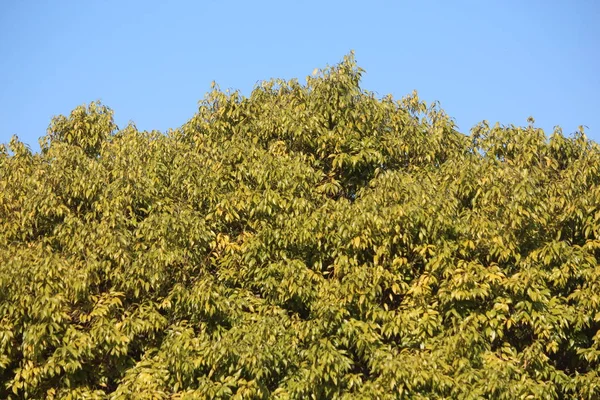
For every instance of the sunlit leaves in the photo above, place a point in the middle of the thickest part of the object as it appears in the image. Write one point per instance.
(307, 241)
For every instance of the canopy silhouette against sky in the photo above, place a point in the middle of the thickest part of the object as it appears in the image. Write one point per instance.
(153, 61)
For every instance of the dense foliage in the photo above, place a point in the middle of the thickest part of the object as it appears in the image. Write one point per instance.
(308, 241)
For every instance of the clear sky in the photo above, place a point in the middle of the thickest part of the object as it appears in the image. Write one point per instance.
(152, 61)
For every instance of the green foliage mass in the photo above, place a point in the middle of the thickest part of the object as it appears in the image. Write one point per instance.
(307, 241)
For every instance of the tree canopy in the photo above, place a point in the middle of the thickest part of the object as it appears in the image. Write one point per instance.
(308, 241)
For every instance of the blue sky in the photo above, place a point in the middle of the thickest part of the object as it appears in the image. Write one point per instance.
(152, 61)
